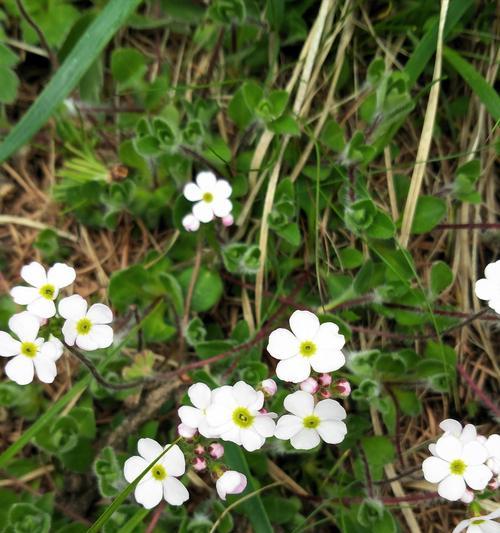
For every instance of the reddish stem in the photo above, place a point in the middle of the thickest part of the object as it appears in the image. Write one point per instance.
(478, 391)
(155, 517)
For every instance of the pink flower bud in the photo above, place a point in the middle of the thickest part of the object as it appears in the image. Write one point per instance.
(325, 393)
(190, 223)
(342, 388)
(468, 496)
(199, 464)
(263, 411)
(199, 449)
(310, 385)
(325, 380)
(269, 387)
(216, 450)
(231, 482)
(186, 431)
(494, 483)
(228, 220)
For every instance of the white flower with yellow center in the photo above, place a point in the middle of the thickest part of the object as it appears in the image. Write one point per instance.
(234, 415)
(87, 328)
(44, 288)
(30, 353)
(488, 288)
(211, 196)
(161, 480)
(196, 416)
(308, 345)
(456, 464)
(480, 524)
(309, 424)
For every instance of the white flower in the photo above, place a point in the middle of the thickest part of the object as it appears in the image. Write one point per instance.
(234, 413)
(308, 345)
(88, 329)
(161, 480)
(488, 288)
(308, 424)
(465, 434)
(190, 223)
(196, 417)
(456, 464)
(231, 482)
(211, 196)
(186, 431)
(492, 444)
(30, 353)
(44, 288)
(480, 524)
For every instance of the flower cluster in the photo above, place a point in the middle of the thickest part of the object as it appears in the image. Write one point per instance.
(462, 461)
(32, 347)
(211, 197)
(237, 413)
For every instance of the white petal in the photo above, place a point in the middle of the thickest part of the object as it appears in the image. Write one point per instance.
(328, 337)
(206, 181)
(87, 342)
(149, 493)
(45, 369)
(305, 439)
(488, 527)
(222, 207)
(304, 325)
(295, 369)
(327, 360)
(174, 492)
(329, 410)
(484, 289)
(34, 274)
(192, 192)
(492, 271)
(203, 212)
(133, 468)
(451, 426)
(103, 335)
(173, 461)
(435, 469)
(69, 332)
(191, 223)
(492, 445)
(24, 295)
(231, 482)
(73, 307)
(461, 526)
(20, 369)
(61, 275)
(25, 326)
(432, 448)
(474, 453)
(53, 348)
(452, 487)
(283, 344)
(477, 476)
(223, 189)
(200, 395)
(299, 403)
(288, 426)
(264, 425)
(449, 447)
(233, 434)
(100, 314)
(332, 431)
(251, 440)
(191, 416)
(149, 449)
(42, 307)
(8, 346)
(258, 403)
(219, 414)
(245, 394)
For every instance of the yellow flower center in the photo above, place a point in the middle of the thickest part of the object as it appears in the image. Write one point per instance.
(307, 348)
(83, 326)
(242, 417)
(476, 522)
(47, 291)
(29, 349)
(159, 472)
(457, 467)
(311, 422)
(208, 197)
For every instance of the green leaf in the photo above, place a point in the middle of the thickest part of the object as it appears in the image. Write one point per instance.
(127, 65)
(27, 517)
(207, 289)
(441, 277)
(81, 57)
(8, 86)
(429, 212)
(379, 451)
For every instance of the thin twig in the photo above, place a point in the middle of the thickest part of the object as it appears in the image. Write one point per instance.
(478, 391)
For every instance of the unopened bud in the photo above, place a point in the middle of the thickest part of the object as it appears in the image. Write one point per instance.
(199, 464)
(309, 385)
(216, 450)
(269, 387)
(186, 431)
(342, 388)
(228, 220)
(325, 380)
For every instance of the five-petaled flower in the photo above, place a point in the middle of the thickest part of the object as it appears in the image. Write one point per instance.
(161, 479)
(480, 524)
(310, 423)
(30, 353)
(87, 328)
(309, 344)
(196, 417)
(211, 196)
(488, 288)
(44, 288)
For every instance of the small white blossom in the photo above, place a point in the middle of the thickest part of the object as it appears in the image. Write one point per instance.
(310, 423)
(186, 431)
(492, 444)
(488, 288)
(191, 223)
(196, 417)
(30, 353)
(231, 482)
(309, 344)
(88, 329)
(456, 464)
(44, 288)
(161, 480)
(465, 434)
(211, 196)
(235, 415)
(480, 524)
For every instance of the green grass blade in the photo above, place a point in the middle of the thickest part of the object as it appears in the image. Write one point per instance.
(254, 508)
(138, 517)
(484, 91)
(78, 61)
